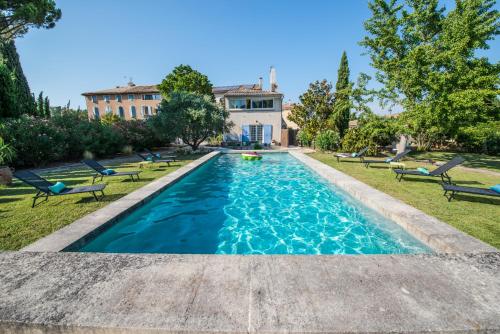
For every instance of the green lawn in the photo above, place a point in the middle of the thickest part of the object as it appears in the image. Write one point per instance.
(478, 216)
(20, 225)
(473, 160)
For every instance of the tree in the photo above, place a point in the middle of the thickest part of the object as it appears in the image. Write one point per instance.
(342, 104)
(46, 107)
(22, 101)
(7, 91)
(315, 108)
(184, 78)
(39, 106)
(17, 16)
(426, 59)
(191, 117)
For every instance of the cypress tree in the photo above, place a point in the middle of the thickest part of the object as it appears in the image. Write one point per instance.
(7, 91)
(40, 111)
(47, 107)
(342, 103)
(24, 102)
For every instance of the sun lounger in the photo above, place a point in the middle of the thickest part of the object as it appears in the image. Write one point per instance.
(154, 159)
(359, 154)
(100, 171)
(42, 185)
(158, 156)
(454, 189)
(396, 158)
(441, 171)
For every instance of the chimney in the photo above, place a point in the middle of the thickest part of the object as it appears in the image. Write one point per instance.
(260, 83)
(272, 79)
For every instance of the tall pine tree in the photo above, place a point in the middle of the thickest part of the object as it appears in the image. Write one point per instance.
(342, 104)
(46, 107)
(40, 112)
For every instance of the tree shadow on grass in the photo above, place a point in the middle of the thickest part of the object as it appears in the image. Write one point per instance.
(8, 200)
(106, 199)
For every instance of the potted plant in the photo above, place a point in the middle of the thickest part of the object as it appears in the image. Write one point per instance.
(7, 153)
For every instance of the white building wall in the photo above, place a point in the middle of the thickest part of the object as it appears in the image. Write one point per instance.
(255, 117)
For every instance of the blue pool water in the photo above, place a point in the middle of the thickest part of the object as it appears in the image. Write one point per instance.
(273, 206)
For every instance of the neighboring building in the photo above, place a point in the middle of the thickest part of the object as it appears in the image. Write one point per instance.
(287, 109)
(255, 112)
(129, 102)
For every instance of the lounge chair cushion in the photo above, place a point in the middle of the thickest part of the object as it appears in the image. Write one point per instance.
(389, 159)
(496, 188)
(157, 155)
(423, 170)
(57, 188)
(108, 172)
(354, 155)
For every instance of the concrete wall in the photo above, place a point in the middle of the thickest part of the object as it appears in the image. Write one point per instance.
(138, 102)
(255, 117)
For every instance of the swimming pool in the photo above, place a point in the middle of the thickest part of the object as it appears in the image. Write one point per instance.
(273, 206)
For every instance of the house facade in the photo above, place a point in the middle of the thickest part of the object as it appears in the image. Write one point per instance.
(254, 112)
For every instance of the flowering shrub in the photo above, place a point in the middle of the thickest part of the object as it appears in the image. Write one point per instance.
(67, 136)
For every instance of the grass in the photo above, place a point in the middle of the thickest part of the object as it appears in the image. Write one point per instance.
(478, 216)
(473, 160)
(21, 225)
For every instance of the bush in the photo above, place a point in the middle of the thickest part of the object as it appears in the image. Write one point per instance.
(328, 140)
(304, 138)
(215, 140)
(69, 135)
(137, 134)
(373, 131)
(257, 146)
(35, 141)
(483, 137)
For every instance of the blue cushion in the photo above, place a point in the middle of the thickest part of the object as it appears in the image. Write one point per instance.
(389, 159)
(108, 172)
(149, 159)
(423, 170)
(57, 188)
(354, 155)
(157, 155)
(496, 188)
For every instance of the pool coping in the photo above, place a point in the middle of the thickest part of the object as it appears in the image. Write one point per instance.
(439, 236)
(98, 220)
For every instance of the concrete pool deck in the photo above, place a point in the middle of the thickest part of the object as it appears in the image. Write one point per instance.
(124, 293)
(43, 290)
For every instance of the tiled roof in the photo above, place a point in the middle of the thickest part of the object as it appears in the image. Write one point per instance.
(126, 90)
(154, 89)
(225, 89)
(252, 92)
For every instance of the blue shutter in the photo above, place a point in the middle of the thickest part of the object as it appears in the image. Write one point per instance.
(268, 134)
(245, 133)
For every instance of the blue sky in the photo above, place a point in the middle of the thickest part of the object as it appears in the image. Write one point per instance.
(100, 44)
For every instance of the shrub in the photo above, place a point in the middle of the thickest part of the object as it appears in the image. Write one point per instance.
(373, 131)
(327, 140)
(304, 138)
(257, 146)
(36, 141)
(215, 140)
(483, 137)
(137, 133)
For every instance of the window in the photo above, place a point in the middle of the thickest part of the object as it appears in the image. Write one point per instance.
(131, 97)
(267, 104)
(237, 104)
(106, 98)
(262, 104)
(133, 112)
(251, 104)
(147, 111)
(118, 98)
(256, 133)
(94, 98)
(147, 96)
(108, 110)
(121, 112)
(96, 113)
(157, 96)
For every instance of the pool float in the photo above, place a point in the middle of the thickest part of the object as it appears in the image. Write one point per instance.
(251, 156)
